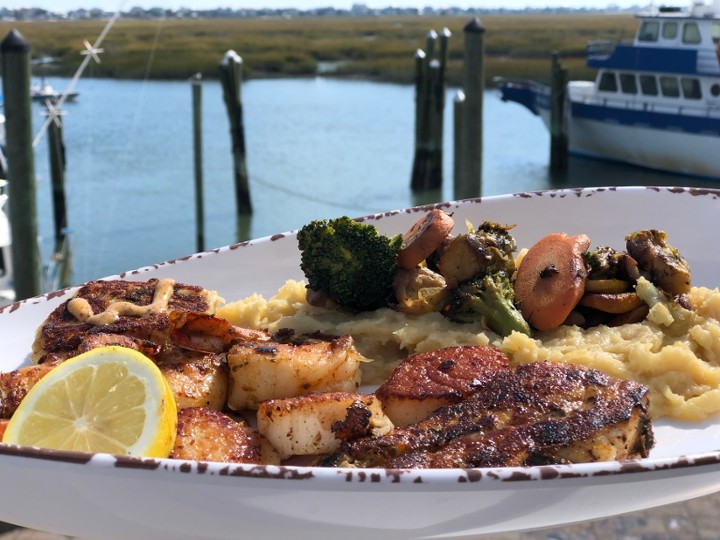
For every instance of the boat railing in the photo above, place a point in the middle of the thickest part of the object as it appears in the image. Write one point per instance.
(603, 48)
(520, 82)
(637, 105)
(600, 47)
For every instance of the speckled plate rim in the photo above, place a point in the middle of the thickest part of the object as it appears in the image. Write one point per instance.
(447, 478)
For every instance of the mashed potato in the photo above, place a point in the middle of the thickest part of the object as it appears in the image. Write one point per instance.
(682, 371)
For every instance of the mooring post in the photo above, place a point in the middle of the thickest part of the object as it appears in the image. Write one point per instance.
(470, 184)
(558, 124)
(458, 103)
(430, 41)
(15, 50)
(420, 96)
(429, 113)
(231, 79)
(419, 179)
(197, 155)
(439, 106)
(56, 154)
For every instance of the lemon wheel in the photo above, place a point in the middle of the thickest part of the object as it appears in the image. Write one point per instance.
(110, 399)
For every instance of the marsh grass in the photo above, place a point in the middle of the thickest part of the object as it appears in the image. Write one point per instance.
(374, 48)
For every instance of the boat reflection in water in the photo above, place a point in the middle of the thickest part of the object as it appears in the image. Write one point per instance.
(655, 101)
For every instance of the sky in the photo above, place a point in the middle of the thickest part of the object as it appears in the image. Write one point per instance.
(114, 5)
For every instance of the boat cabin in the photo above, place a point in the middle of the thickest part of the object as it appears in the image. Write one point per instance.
(674, 60)
(674, 28)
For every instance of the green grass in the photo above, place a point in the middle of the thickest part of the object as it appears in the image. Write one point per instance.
(374, 48)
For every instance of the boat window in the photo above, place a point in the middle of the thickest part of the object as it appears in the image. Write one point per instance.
(649, 31)
(715, 90)
(691, 33)
(628, 83)
(669, 87)
(669, 30)
(608, 83)
(715, 32)
(691, 88)
(648, 85)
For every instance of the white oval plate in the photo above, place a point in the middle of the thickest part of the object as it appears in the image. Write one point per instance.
(107, 497)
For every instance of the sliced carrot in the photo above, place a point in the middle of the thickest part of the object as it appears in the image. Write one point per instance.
(424, 237)
(550, 279)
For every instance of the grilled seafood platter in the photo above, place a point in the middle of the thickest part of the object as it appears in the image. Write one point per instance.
(249, 394)
(509, 337)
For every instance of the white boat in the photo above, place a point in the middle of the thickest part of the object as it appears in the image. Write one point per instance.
(7, 290)
(43, 91)
(7, 286)
(655, 101)
(3, 163)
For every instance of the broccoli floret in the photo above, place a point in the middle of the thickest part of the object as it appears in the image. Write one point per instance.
(352, 263)
(488, 298)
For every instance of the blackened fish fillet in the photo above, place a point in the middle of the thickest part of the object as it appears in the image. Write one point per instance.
(537, 413)
(427, 381)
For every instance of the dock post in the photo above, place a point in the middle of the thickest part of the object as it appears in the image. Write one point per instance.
(56, 153)
(420, 96)
(458, 103)
(470, 184)
(439, 111)
(558, 123)
(427, 171)
(231, 79)
(425, 71)
(15, 51)
(198, 159)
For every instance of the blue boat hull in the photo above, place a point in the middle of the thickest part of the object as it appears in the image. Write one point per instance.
(672, 140)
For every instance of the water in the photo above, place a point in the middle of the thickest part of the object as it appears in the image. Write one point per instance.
(316, 148)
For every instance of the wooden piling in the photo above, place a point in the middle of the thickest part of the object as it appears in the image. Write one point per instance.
(15, 51)
(427, 171)
(61, 263)
(420, 97)
(56, 154)
(197, 155)
(430, 41)
(458, 104)
(471, 141)
(427, 164)
(445, 35)
(558, 123)
(439, 112)
(231, 79)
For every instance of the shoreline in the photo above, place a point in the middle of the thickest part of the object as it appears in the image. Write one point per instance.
(379, 49)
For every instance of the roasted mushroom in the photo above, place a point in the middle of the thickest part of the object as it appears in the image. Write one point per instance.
(661, 263)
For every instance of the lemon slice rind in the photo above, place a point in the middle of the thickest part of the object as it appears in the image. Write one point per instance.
(108, 400)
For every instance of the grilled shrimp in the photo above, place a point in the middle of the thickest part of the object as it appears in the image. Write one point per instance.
(206, 333)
